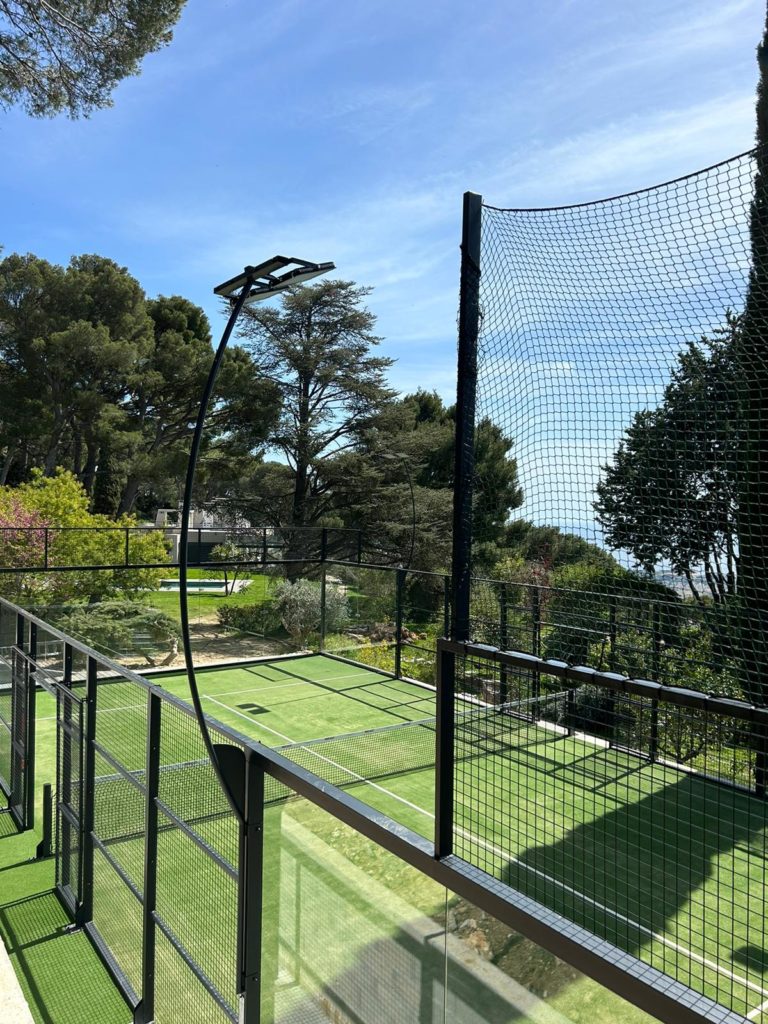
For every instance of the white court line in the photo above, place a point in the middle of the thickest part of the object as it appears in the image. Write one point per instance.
(299, 682)
(753, 1014)
(327, 760)
(99, 711)
(228, 693)
(696, 957)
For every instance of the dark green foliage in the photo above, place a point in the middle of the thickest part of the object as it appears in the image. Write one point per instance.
(548, 546)
(125, 627)
(316, 350)
(108, 484)
(670, 493)
(68, 56)
(586, 605)
(95, 378)
(261, 618)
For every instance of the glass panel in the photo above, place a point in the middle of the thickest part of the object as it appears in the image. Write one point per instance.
(350, 932)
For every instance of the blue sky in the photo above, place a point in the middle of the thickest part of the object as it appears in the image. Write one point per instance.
(349, 130)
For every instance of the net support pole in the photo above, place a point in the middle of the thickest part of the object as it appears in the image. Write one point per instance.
(466, 391)
(145, 1012)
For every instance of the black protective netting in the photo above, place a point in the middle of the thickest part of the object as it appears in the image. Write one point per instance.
(622, 351)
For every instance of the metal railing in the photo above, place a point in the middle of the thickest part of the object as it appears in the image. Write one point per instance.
(153, 865)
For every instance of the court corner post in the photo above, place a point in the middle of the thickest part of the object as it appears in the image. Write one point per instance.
(251, 894)
(466, 393)
(444, 755)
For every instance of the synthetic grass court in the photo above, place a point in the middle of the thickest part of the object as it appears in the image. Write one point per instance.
(665, 865)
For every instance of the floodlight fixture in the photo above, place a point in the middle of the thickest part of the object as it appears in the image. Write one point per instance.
(252, 285)
(263, 281)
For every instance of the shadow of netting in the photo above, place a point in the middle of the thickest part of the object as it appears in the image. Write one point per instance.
(675, 876)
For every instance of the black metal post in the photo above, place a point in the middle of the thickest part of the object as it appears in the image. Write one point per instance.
(503, 641)
(251, 893)
(31, 718)
(264, 546)
(45, 846)
(323, 600)
(145, 1012)
(64, 773)
(444, 753)
(536, 642)
(612, 631)
(399, 594)
(469, 324)
(656, 676)
(85, 911)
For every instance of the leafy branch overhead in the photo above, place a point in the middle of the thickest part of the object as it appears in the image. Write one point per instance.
(67, 56)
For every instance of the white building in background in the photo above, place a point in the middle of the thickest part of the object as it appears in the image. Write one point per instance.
(207, 530)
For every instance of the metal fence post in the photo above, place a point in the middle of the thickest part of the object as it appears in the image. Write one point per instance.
(536, 640)
(145, 1012)
(31, 716)
(469, 325)
(85, 911)
(323, 601)
(503, 641)
(399, 592)
(656, 676)
(444, 753)
(64, 772)
(264, 546)
(612, 635)
(251, 893)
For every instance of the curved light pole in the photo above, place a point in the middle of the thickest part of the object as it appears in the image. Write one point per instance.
(254, 285)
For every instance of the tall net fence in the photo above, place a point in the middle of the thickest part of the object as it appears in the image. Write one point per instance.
(622, 354)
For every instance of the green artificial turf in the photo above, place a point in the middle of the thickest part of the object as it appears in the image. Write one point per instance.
(661, 863)
(58, 969)
(665, 865)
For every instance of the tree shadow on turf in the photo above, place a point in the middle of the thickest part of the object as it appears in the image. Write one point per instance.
(635, 873)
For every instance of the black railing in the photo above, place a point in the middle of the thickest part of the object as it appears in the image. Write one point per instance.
(176, 896)
(88, 548)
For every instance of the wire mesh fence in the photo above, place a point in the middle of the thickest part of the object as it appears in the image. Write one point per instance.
(635, 810)
(179, 897)
(620, 350)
